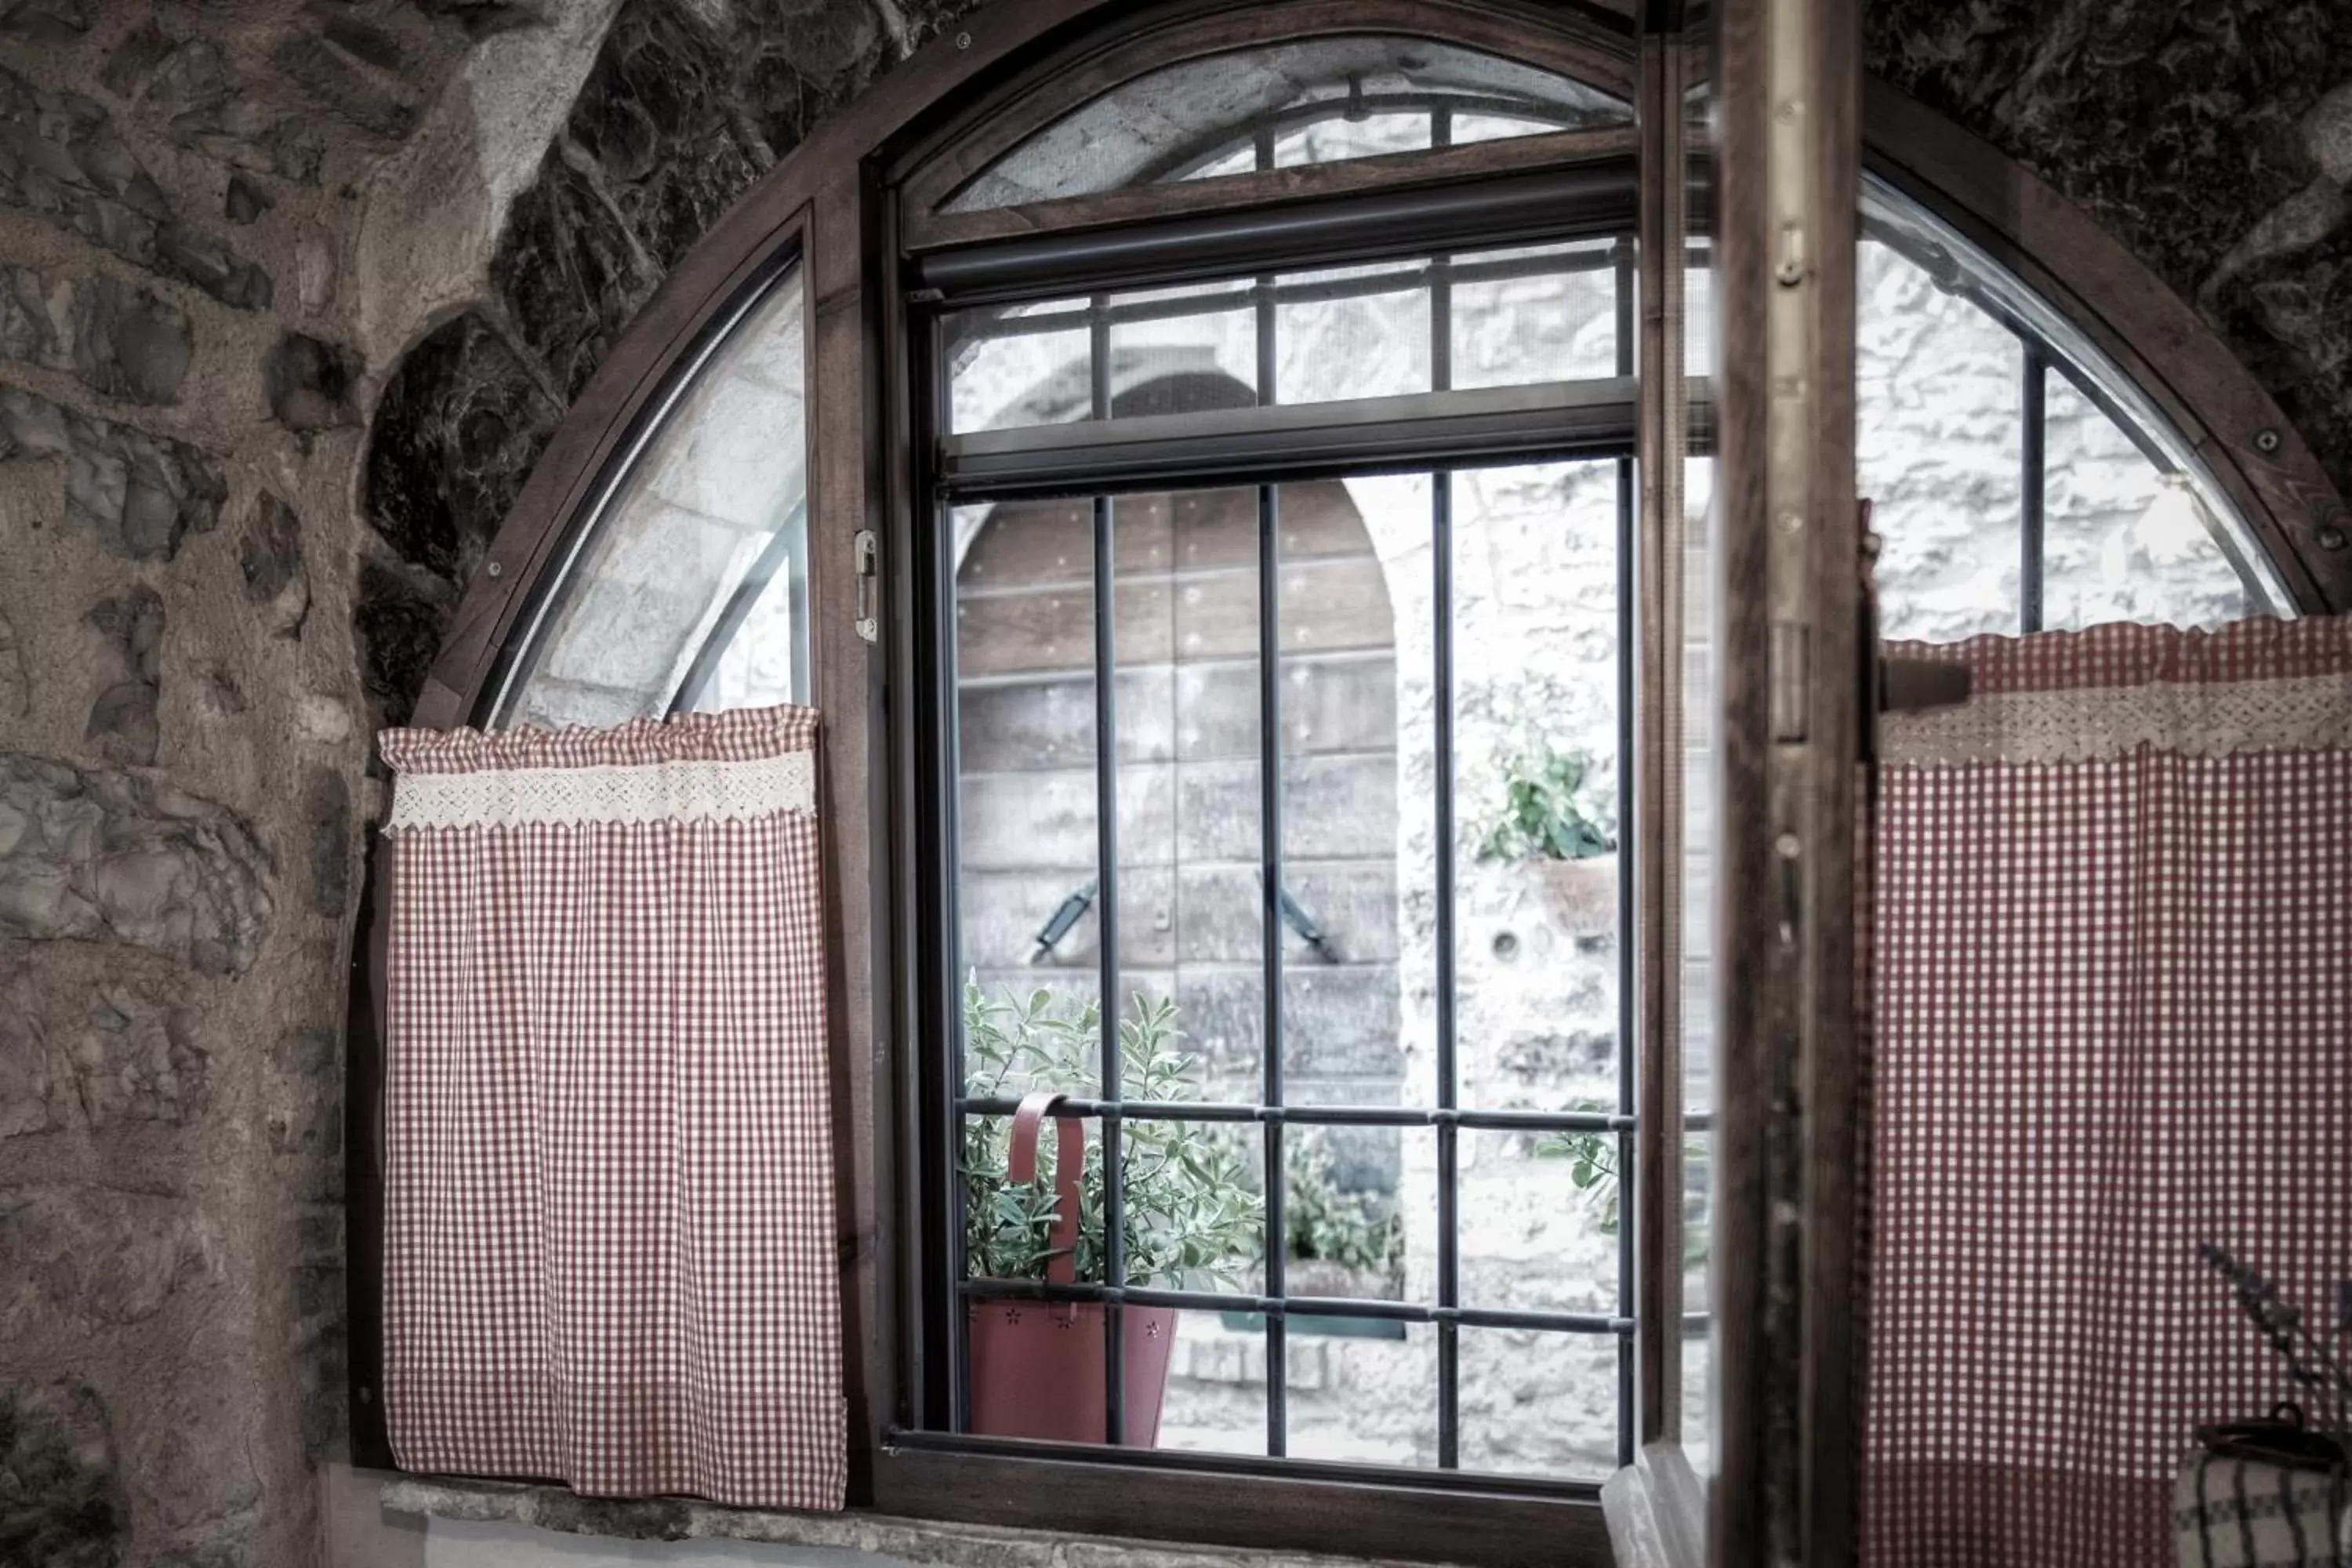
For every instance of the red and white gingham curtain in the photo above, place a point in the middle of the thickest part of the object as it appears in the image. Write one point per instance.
(2114, 1019)
(609, 1244)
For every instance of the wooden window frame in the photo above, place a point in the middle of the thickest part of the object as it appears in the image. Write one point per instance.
(858, 200)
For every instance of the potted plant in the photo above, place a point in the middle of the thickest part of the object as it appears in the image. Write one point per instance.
(1337, 1242)
(1556, 818)
(1190, 1214)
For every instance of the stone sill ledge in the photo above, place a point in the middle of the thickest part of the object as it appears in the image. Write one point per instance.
(930, 1542)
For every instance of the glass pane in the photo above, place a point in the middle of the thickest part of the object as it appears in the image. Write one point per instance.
(1343, 1038)
(1940, 450)
(689, 587)
(1027, 865)
(1700, 725)
(2134, 528)
(1543, 313)
(1315, 100)
(1535, 766)
(1362, 1221)
(1539, 1403)
(1352, 331)
(1506, 318)
(1338, 137)
(1022, 364)
(2124, 539)
(1541, 1222)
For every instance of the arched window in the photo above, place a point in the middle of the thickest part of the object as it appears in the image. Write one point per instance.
(1190, 453)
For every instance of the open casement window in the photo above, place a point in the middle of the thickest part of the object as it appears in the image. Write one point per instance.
(1283, 509)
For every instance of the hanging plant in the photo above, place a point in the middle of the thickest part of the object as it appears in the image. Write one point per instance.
(1553, 808)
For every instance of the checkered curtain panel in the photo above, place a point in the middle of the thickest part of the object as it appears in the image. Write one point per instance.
(609, 1242)
(2114, 1019)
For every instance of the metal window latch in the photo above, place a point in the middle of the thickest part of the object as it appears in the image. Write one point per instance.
(868, 569)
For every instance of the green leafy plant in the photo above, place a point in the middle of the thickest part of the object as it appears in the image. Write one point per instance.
(1191, 1209)
(1593, 1172)
(1552, 809)
(1323, 1222)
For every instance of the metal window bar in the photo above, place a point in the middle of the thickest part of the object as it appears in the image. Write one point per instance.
(1413, 433)
(1276, 1239)
(1324, 1115)
(1449, 1215)
(1114, 1244)
(2032, 491)
(954, 1343)
(1628, 974)
(1275, 1307)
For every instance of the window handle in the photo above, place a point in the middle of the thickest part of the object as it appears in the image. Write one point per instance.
(868, 570)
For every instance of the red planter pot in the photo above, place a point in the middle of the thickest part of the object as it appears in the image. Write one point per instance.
(1037, 1370)
(1038, 1366)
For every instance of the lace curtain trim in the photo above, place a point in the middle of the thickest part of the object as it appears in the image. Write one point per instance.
(652, 793)
(2088, 724)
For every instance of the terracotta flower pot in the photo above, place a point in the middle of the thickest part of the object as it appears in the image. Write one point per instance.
(1580, 896)
(1038, 1366)
(1037, 1370)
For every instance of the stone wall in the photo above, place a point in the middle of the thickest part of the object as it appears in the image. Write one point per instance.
(181, 746)
(232, 238)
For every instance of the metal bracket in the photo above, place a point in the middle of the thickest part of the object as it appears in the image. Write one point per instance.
(867, 555)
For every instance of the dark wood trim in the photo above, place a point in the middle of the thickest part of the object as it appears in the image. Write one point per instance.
(845, 462)
(1826, 791)
(2154, 335)
(1662, 443)
(1253, 1512)
(1167, 34)
(1738, 1504)
(1787, 149)
(1395, 172)
(364, 1034)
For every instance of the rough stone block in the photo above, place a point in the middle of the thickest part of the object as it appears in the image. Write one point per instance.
(45, 21)
(327, 805)
(325, 67)
(122, 722)
(128, 344)
(140, 494)
(61, 158)
(121, 340)
(132, 622)
(270, 557)
(244, 201)
(134, 1060)
(29, 1090)
(96, 1256)
(103, 854)
(461, 421)
(58, 1477)
(310, 383)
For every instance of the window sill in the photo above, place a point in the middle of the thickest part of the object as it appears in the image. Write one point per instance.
(906, 1539)
(1657, 1510)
